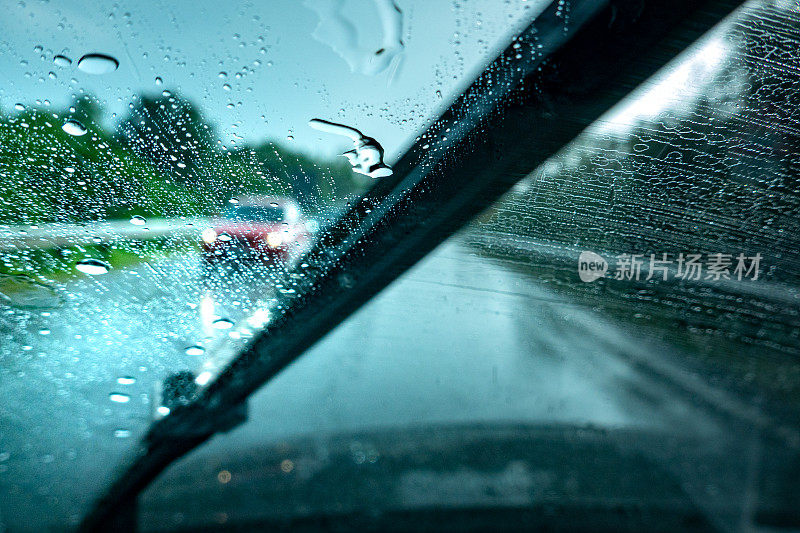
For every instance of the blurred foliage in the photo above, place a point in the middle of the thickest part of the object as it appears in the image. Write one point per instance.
(163, 159)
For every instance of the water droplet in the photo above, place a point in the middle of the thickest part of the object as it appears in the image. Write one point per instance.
(122, 433)
(138, 220)
(62, 61)
(195, 350)
(159, 81)
(226, 87)
(75, 128)
(44, 332)
(126, 380)
(233, 201)
(119, 397)
(222, 75)
(92, 267)
(343, 31)
(222, 323)
(203, 378)
(366, 157)
(97, 64)
(19, 107)
(224, 237)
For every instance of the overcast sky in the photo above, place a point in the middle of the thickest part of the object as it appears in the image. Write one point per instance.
(291, 77)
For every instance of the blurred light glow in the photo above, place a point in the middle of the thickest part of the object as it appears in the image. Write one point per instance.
(209, 235)
(203, 378)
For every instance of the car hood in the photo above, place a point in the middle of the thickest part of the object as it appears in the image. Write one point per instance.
(443, 478)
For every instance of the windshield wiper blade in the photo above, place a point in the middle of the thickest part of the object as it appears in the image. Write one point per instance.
(554, 80)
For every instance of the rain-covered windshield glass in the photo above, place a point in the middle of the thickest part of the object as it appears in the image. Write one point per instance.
(619, 332)
(126, 130)
(243, 213)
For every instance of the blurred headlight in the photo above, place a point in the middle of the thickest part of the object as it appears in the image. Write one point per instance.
(274, 239)
(209, 235)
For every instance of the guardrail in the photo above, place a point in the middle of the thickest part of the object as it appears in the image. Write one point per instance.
(61, 235)
(557, 253)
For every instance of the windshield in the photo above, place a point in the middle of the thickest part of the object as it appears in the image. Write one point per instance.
(125, 129)
(615, 337)
(617, 333)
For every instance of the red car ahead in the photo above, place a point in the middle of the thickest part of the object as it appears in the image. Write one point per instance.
(264, 228)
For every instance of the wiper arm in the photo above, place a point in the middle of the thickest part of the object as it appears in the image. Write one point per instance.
(552, 82)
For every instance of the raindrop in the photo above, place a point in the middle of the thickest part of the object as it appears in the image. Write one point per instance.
(122, 433)
(75, 128)
(62, 61)
(222, 323)
(44, 332)
(126, 380)
(222, 75)
(138, 220)
(97, 64)
(195, 350)
(340, 31)
(19, 107)
(227, 87)
(119, 397)
(159, 81)
(224, 237)
(93, 267)
(233, 201)
(366, 157)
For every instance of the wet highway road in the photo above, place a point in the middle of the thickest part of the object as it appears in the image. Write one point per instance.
(459, 338)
